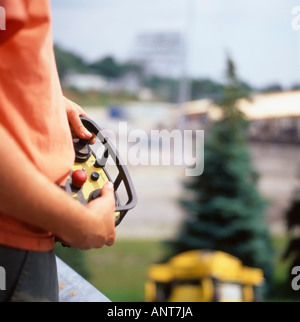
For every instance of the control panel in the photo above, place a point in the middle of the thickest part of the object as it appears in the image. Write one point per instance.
(90, 173)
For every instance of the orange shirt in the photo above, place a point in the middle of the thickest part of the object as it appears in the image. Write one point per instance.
(32, 107)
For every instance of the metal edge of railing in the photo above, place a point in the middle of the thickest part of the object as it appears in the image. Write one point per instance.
(74, 288)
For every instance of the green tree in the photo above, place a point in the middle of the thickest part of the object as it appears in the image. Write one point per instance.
(107, 67)
(110, 68)
(67, 61)
(225, 210)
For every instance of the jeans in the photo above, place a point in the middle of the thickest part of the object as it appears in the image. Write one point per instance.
(30, 276)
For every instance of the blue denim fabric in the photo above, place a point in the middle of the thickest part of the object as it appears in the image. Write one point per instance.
(30, 276)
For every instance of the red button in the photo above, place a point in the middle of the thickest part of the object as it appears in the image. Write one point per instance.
(79, 177)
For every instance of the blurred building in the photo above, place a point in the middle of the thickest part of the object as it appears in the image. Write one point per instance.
(129, 82)
(85, 82)
(274, 117)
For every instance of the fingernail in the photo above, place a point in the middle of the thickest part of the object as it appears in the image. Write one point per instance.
(110, 186)
(87, 133)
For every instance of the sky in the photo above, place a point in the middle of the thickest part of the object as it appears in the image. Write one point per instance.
(258, 34)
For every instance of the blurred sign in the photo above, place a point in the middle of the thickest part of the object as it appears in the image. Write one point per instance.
(160, 51)
(160, 44)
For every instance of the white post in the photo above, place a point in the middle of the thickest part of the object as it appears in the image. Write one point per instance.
(2, 19)
(185, 84)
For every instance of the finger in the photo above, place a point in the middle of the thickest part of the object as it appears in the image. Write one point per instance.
(78, 127)
(93, 139)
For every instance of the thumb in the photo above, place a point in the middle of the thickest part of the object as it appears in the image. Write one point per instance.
(108, 190)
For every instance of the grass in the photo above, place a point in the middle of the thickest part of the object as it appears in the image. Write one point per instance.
(119, 272)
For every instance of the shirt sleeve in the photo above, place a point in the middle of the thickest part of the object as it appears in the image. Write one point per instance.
(15, 16)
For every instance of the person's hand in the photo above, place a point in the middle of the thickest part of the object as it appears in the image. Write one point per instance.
(103, 230)
(74, 112)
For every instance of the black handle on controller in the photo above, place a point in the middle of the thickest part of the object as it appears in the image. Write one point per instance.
(83, 151)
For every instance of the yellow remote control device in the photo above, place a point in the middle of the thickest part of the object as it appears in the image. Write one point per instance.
(90, 172)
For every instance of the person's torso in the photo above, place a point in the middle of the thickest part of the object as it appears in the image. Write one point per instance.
(33, 111)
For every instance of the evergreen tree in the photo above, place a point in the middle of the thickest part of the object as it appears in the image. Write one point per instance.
(226, 211)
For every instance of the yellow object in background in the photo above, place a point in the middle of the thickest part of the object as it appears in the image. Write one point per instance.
(203, 276)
